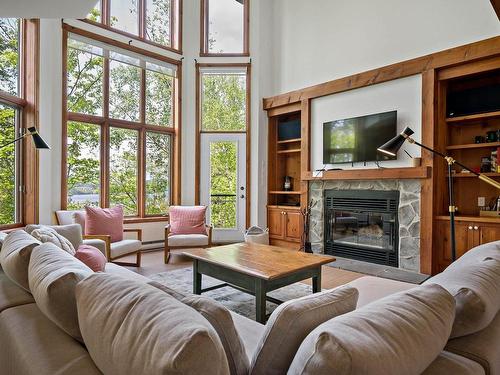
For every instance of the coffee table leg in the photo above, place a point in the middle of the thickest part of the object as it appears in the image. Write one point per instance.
(317, 282)
(196, 278)
(260, 301)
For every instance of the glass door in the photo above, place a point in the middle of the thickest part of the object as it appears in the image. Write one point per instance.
(223, 184)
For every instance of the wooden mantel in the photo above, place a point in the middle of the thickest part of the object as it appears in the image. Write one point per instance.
(370, 174)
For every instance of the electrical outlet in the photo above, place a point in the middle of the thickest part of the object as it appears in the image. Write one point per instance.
(481, 201)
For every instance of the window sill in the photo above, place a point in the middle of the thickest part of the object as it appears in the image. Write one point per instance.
(155, 219)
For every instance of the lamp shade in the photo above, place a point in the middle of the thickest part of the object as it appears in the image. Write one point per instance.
(37, 140)
(392, 146)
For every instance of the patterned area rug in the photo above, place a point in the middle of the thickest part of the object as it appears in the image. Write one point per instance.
(235, 300)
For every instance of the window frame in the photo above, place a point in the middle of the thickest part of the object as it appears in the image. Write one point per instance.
(204, 24)
(26, 103)
(105, 123)
(199, 130)
(175, 25)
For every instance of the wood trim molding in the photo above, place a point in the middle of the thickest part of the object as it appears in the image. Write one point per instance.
(116, 43)
(204, 8)
(369, 174)
(469, 52)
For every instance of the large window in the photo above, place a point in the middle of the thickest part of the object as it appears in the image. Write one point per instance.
(152, 21)
(120, 128)
(17, 108)
(225, 26)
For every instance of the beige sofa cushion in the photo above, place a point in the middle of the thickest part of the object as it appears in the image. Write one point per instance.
(221, 319)
(482, 347)
(2, 238)
(133, 328)
(478, 253)
(250, 331)
(53, 275)
(476, 288)
(15, 256)
(11, 294)
(115, 269)
(399, 334)
(372, 288)
(72, 232)
(292, 321)
(32, 344)
(449, 363)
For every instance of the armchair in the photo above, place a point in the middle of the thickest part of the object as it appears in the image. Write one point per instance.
(186, 229)
(112, 250)
(186, 241)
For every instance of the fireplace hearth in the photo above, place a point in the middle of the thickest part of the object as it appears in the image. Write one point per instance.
(362, 225)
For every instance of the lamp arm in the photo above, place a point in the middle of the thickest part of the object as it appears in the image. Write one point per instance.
(450, 160)
(14, 141)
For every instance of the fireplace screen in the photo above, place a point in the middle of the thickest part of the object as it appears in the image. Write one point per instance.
(362, 225)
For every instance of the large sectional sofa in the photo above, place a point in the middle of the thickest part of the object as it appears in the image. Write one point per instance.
(59, 317)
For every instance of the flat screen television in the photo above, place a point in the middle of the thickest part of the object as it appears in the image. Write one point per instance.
(356, 139)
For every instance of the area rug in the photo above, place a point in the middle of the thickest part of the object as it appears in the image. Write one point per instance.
(235, 300)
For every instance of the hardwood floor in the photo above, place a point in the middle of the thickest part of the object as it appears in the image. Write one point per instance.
(152, 262)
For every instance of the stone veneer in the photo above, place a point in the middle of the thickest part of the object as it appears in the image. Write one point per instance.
(408, 214)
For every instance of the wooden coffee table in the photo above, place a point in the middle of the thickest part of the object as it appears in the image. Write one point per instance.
(256, 269)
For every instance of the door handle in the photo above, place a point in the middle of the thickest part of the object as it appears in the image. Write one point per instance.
(470, 227)
(242, 196)
(476, 227)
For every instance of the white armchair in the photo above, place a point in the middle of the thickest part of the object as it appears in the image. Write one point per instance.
(185, 241)
(112, 250)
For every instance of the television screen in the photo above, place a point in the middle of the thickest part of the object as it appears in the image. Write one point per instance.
(356, 139)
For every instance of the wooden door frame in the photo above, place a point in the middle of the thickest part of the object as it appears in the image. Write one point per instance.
(248, 130)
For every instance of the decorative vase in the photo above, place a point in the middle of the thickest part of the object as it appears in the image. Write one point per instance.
(287, 186)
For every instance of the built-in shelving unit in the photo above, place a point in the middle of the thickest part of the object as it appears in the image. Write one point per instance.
(457, 135)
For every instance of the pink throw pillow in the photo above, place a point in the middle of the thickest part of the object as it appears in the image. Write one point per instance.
(187, 219)
(92, 257)
(105, 221)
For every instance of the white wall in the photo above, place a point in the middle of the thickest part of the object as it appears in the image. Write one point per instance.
(320, 40)
(51, 94)
(403, 95)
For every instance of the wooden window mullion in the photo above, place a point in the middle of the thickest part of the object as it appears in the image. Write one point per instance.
(141, 178)
(142, 19)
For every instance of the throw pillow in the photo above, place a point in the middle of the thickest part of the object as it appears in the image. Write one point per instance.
(399, 334)
(187, 219)
(15, 256)
(2, 238)
(475, 285)
(46, 234)
(292, 321)
(92, 257)
(220, 318)
(53, 275)
(108, 221)
(133, 328)
(71, 232)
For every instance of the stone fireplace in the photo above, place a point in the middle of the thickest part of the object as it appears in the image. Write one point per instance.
(407, 215)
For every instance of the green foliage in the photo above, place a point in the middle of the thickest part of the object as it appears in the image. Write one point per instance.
(224, 102)
(158, 151)
(7, 166)
(123, 169)
(9, 76)
(83, 166)
(159, 99)
(223, 180)
(158, 21)
(124, 91)
(9, 55)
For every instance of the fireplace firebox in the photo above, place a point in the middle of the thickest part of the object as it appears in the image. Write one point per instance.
(362, 225)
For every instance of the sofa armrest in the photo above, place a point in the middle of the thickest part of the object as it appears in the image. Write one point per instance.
(105, 237)
(209, 232)
(136, 230)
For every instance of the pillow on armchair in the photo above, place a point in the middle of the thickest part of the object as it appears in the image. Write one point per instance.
(187, 220)
(105, 221)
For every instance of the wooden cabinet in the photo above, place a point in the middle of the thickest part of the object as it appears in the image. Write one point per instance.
(284, 224)
(468, 234)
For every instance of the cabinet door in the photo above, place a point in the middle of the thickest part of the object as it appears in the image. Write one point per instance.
(464, 241)
(293, 225)
(487, 233)
(275, 220)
